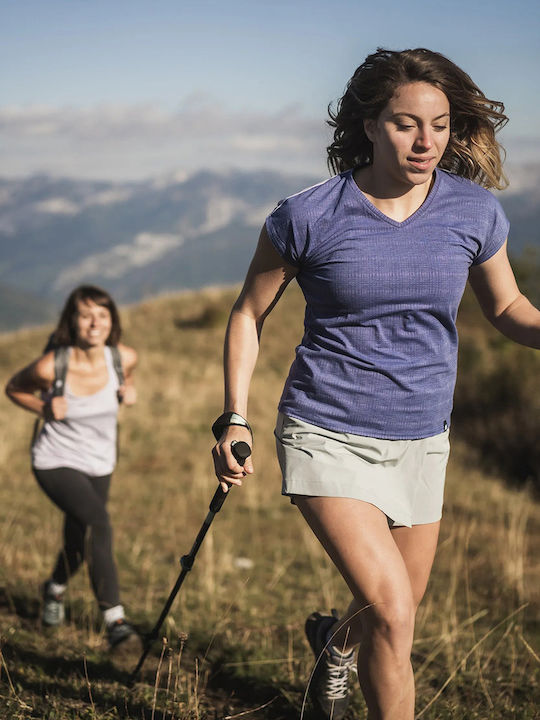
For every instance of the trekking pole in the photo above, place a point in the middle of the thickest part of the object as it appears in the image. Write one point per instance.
(241, 452)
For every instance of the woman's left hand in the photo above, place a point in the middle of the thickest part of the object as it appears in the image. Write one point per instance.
(128, 394)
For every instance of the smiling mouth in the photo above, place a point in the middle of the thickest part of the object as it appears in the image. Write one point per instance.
(421, 163)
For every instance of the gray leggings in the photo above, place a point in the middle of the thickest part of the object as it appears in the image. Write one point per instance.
(83, 499)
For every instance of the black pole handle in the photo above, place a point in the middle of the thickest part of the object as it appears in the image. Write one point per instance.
(241, 452)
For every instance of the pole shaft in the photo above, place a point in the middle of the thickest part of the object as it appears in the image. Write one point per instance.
(241, 452)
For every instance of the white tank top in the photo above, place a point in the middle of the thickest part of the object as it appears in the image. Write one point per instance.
(85, 439)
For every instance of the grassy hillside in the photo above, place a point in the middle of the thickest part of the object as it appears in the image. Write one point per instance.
(235, 644)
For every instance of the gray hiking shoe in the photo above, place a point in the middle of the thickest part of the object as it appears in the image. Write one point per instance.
(329, 687)
(52, 613)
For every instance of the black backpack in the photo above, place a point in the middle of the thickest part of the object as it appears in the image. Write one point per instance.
(61, 359)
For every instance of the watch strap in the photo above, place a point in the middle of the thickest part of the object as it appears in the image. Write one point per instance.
(227, 419)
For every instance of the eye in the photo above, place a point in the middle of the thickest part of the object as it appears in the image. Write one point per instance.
(440, 128)
(403, 126)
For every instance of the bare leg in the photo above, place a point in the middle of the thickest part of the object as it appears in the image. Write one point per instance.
(374, 562)
(417, 546)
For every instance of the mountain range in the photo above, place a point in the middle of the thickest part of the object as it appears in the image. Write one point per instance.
(145, 238)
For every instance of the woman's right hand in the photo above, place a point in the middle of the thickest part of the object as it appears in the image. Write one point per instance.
(55, 408)
(267, 278)
(38, 377)
(228, 469)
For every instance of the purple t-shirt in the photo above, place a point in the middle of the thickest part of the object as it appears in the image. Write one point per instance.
(379, 352)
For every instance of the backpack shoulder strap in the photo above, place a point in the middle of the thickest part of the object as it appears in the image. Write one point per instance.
(61, 358)
(117, 364)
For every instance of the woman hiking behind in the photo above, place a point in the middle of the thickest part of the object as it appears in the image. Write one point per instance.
(74, 454)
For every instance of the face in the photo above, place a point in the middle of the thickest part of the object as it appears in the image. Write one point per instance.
(93, 323)
(411, 134)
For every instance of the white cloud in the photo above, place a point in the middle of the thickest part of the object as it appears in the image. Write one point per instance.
(57, 206)
(220, 211)
(64, 206)
(129, 142)
(146, 247)
(109, 197)
(140, 141)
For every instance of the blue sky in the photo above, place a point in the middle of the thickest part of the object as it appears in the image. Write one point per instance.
(133, 89)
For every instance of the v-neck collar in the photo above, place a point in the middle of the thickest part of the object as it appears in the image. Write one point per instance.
(416, 214)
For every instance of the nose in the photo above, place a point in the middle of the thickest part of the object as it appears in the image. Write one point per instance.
(424, 138)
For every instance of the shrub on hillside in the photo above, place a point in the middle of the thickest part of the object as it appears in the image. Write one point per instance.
(497, 407)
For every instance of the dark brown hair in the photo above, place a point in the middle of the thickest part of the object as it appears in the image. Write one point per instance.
(66, 330)
(472, 151)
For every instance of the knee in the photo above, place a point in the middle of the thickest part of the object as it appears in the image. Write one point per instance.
(392, 622)
(100, 523)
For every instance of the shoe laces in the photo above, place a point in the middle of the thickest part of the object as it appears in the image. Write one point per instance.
(338, 677)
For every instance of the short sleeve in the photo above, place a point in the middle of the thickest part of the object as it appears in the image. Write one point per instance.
(287, 233)
(497, 231)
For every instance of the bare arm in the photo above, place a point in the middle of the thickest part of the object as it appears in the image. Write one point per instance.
(502, 302)
(128, 391)
(23, 386)
(267, 278)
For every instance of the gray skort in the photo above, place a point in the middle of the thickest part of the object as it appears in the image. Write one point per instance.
(403, 478)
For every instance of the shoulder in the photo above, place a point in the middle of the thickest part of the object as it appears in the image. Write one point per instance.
(300, 224)
(128, 356)
(463, 188)
(43, 368)
(470, 204)
(313, 202)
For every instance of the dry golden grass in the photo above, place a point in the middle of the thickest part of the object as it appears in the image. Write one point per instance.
(259, 572)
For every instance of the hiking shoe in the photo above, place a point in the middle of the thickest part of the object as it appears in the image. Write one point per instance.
(52, 613)
(329, 685)
(119, 631)
(125, 644)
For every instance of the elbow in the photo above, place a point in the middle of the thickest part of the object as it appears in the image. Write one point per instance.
(13, 388)
(242, 312)
(9, 389)
(520, 322)
(498, 316)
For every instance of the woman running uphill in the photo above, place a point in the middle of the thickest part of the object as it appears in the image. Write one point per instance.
(74, 455)
(382, 252)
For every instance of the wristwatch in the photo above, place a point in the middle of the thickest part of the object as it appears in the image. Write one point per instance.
(227, 419)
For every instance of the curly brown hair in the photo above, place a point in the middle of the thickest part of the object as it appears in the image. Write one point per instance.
(66, 330)
(472, 151)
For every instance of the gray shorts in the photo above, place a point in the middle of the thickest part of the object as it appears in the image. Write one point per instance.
(403, 478)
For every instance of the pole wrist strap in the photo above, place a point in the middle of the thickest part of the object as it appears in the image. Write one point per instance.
(227, 419)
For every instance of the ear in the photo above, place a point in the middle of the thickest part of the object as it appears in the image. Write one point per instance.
(369, 128)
